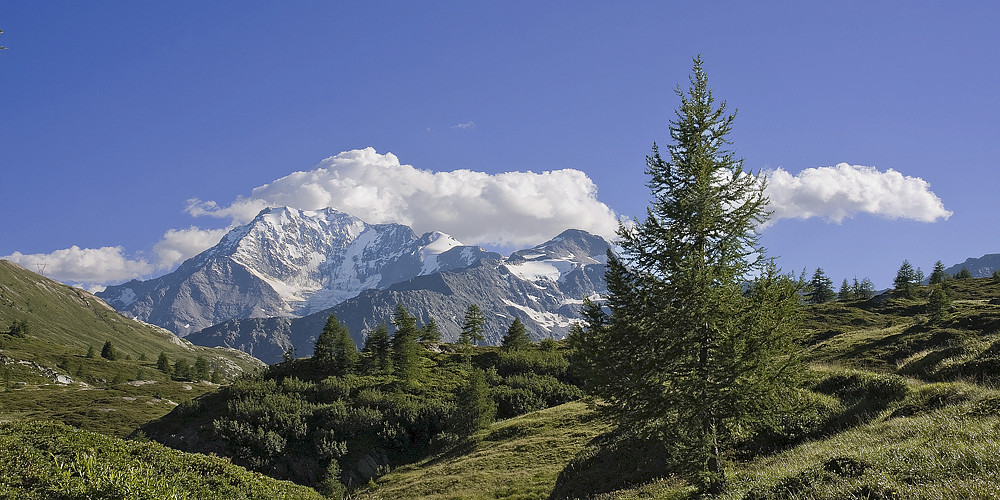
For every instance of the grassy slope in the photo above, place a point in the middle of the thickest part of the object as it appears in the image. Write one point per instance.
(49, 460)
(63, 323)
(517, 458)
(936, 437)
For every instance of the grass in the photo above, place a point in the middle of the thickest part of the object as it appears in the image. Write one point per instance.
(42, 460)
(519, 458)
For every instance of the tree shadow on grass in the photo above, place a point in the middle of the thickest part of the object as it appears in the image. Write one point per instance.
(611, 462)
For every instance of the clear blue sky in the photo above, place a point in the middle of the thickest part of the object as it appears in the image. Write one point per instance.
(114, 114)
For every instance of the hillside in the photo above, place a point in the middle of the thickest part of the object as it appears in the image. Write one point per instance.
(42, 460)
(904, 408)
(47, 374)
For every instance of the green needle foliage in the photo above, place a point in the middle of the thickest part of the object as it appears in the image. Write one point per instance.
(335, 348)
(516, 338)
(686, 355)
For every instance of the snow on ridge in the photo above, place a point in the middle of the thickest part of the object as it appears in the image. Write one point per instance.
(544, 319)
(539, 270)
(439, 244)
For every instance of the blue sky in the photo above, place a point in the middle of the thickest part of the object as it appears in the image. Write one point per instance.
(113, 115)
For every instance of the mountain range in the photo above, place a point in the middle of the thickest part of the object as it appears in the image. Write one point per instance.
(268, 286)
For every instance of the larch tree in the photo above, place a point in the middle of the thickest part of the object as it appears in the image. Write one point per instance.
(698, 346)
(938, 275)
(516, 337)
(378, 350)
(472, 330)
(406, 351)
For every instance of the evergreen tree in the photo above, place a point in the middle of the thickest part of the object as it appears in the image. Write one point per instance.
(430, 332)
(996, 276)
(938, 275)
(472, 329)
(687, 356)
(964, 274)
(378, 350)
(938, 303)
(216, 377)
(906, 280)
(201, 370)
(163, 364)
(406, 352)
(476, 408)
(182, 370)
(867, 289)
(108, 351)
(18, 328)
(335, 349)
(90, 352)
(846, 292)
(516, 337)
(820, 288)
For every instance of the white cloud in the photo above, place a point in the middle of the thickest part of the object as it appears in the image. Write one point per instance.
(84, 266)
(178, 245)
(465, 126)
(508, 209)
(840, 192)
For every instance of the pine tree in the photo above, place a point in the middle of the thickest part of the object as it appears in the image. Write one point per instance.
(472, 329)
(201, 370)
(687, 356)
(163, 364)
(431, 332)
(90, 351)
(867, 289)
(406, 352)
(108, 351)
(516, 337)
(846, 292)
(938, 275)
(964, 274)
(938, 303)
(820, 288)
(996, 277)
(378, 350)
(476, 408)
(182, 370)
(335, 349)
(906, 280)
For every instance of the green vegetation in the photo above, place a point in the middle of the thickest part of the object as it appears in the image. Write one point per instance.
(688, 355)
(307, 421)
(41, 460)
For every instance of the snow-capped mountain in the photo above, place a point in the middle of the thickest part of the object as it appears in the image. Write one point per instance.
(543, 286)
(287, 263)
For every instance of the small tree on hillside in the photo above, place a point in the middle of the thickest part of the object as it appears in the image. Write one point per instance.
(996, 277)
(938, 303)
(18, 328)
(964, 274)
(378, 350)
(335, 349)
(820, 288)
(476, 408)
(846, 292)
(406, 351)
(938, 275)
(472, 330)
(182, 370)
(163, 363)
(201, 370)
(906, 281)
(108, 352)
(431, 332)
(516, 337)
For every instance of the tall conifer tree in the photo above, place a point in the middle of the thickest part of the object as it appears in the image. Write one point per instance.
(687, 354)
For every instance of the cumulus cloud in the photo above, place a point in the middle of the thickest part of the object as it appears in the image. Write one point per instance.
(465, 126)
(84, 266)
(843, 191)
(507, 209)
(178, 245)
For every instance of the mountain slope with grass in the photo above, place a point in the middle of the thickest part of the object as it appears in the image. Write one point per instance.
(51, 363)
(902, 406)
